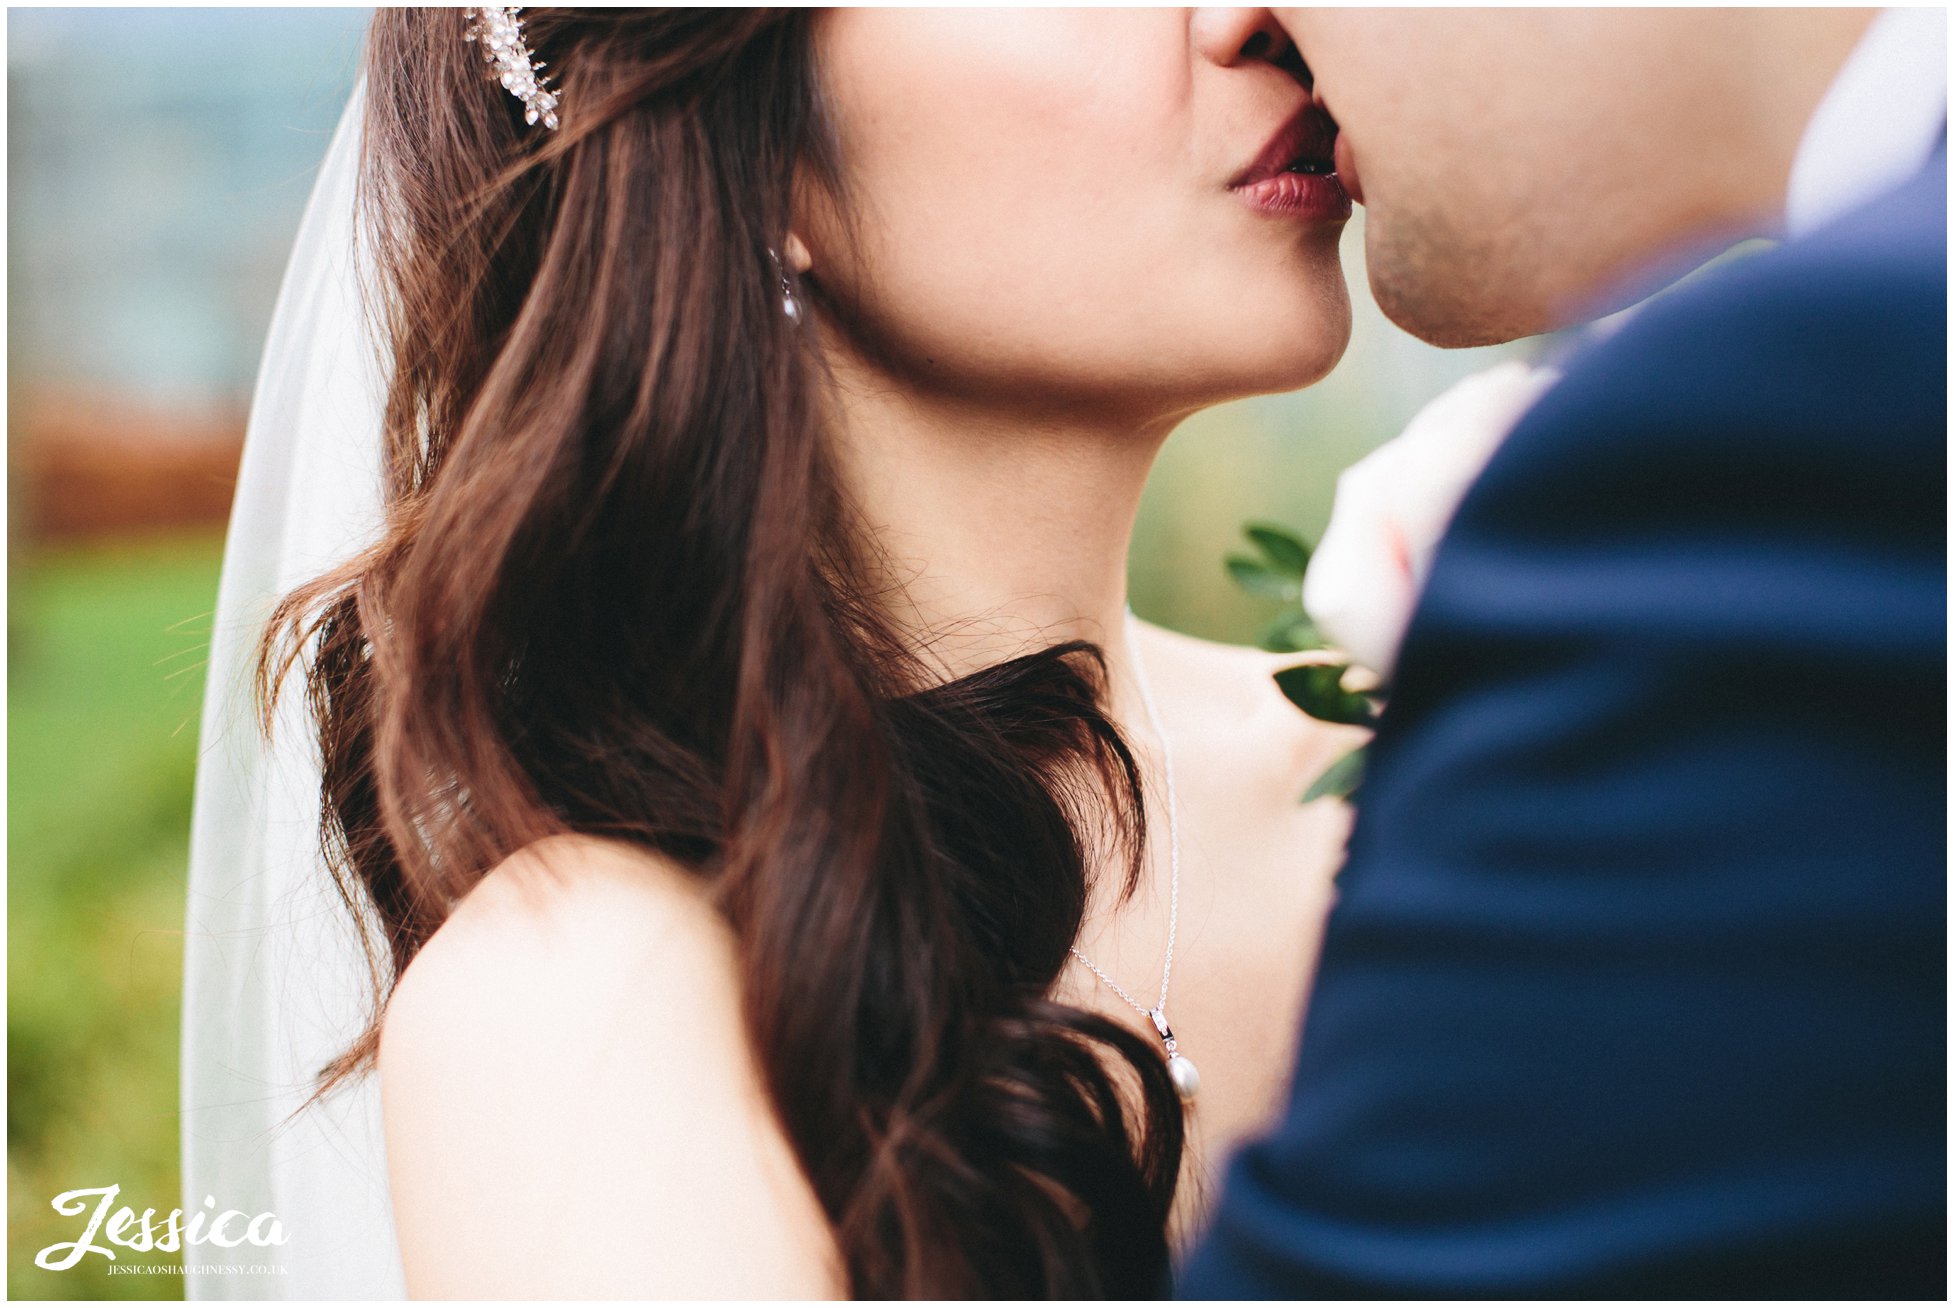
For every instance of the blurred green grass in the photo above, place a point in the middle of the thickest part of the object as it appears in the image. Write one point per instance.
(107, 646)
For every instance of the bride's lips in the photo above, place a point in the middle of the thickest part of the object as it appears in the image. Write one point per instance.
(1295, 175)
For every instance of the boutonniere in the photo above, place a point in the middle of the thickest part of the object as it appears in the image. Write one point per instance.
(1277, 570)
(1349, 600)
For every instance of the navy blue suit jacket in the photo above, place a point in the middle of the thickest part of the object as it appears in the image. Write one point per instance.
(1636, 984)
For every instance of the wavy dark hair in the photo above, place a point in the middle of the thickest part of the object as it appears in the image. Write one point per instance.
(620, 592)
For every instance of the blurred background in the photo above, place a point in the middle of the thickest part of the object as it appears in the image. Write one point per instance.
(158, 161)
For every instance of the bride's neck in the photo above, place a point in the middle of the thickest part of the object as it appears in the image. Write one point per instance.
(1000, 531)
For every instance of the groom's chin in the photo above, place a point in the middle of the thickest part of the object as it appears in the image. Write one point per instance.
(1450, 316)
(1430, 279)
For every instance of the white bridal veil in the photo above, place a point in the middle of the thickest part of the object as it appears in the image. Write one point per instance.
(275, 982)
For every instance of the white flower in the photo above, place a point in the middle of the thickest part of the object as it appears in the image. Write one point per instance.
(1394, 504)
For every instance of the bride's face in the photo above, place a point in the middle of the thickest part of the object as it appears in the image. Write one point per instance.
(1043, 204)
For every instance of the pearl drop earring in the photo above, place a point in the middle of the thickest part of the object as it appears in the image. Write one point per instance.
(789, 303)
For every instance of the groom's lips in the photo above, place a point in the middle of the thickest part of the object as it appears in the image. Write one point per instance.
(1295, 174)
(1347, 168)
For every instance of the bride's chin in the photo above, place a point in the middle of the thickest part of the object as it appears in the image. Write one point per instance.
(1320, 341)
(1294, 370)
(1310, 355)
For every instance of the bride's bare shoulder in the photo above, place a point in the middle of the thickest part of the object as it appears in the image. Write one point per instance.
(561, 917)
(566, 1050)
(579, 887)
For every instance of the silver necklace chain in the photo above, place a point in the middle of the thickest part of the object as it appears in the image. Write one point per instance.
(1158, 1013)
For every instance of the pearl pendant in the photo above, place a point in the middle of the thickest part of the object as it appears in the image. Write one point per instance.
(1187, 1077)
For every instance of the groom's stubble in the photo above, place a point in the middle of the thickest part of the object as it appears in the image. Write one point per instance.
(1517, 165)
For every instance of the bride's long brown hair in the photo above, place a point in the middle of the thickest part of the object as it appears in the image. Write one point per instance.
(618, 593)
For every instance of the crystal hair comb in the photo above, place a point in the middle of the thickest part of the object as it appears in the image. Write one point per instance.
(500, 32)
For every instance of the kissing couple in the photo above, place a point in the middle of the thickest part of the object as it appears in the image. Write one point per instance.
(687, 810)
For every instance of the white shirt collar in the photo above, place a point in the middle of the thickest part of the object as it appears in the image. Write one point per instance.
(1878, 122)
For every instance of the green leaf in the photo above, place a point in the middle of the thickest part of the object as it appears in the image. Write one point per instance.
(1340, 778)
(1257, 578)
(1287, 554)
(1292, 633)
(1317, 689)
